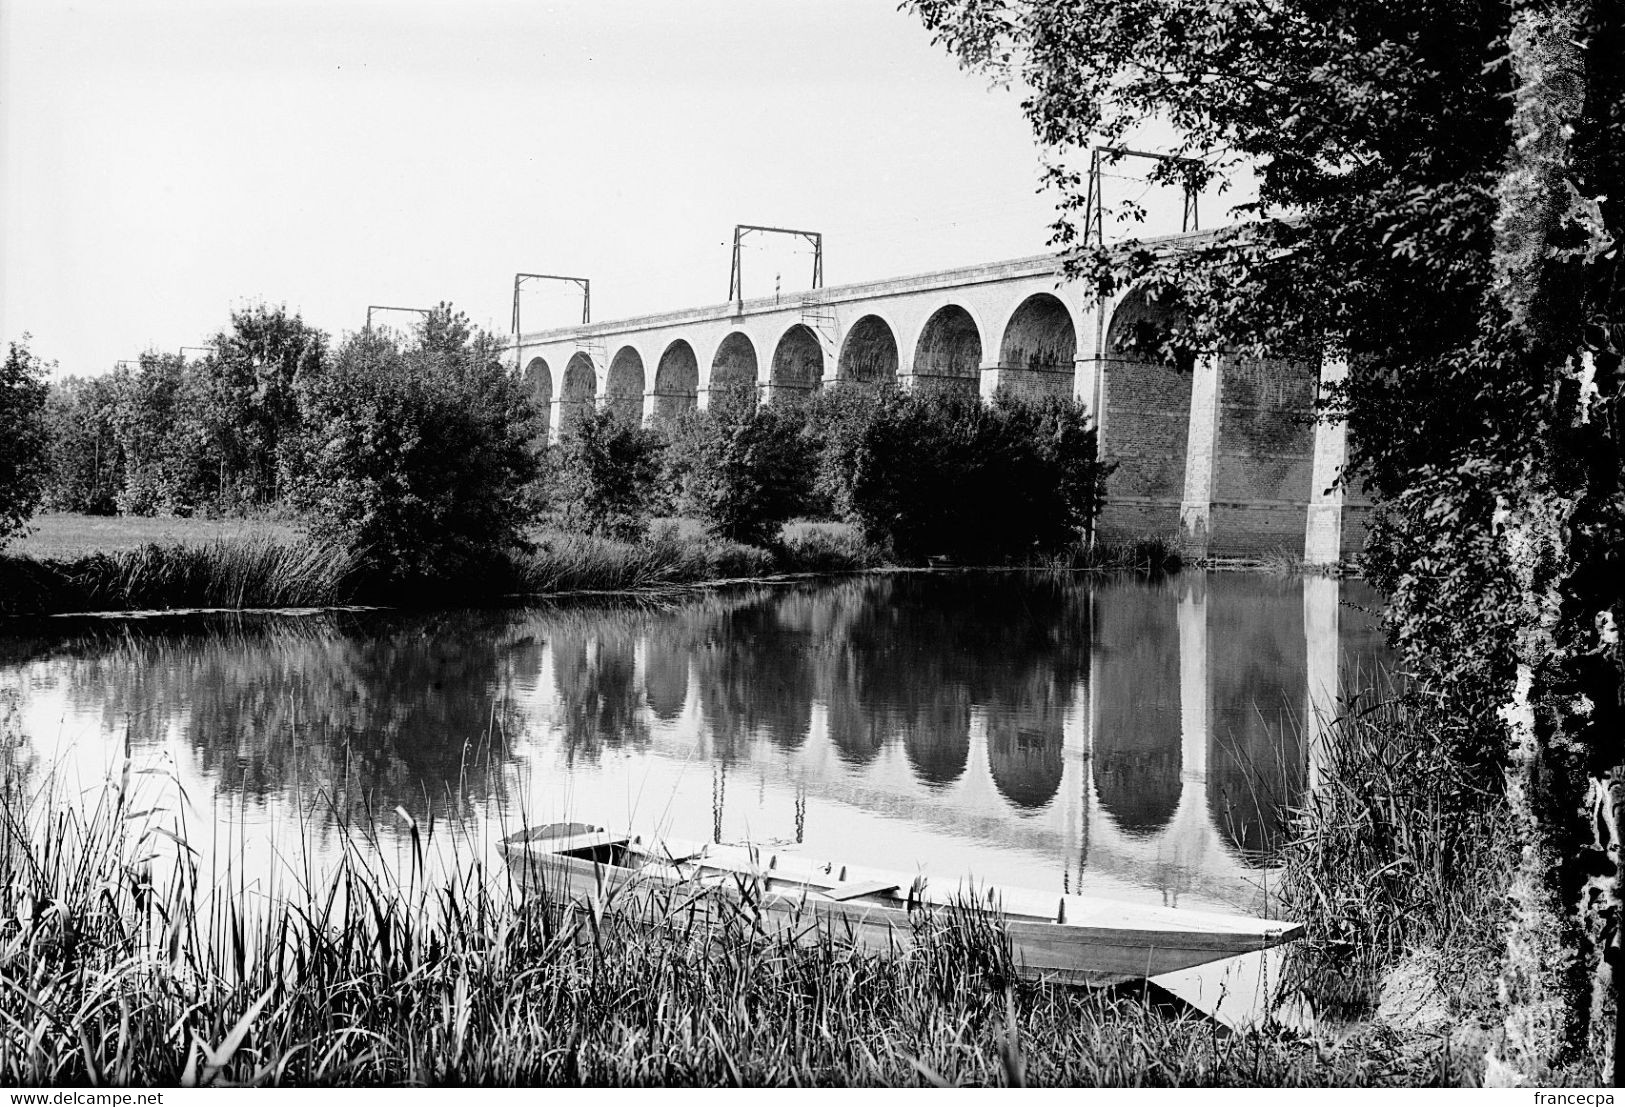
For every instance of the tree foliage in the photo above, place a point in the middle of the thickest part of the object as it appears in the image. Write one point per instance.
(604, 474)
(24, 441)
(249, 398)
(87, 469)
(950, 475)
(417, 454)
(743, 469)
(162, 437)
(1439, 198)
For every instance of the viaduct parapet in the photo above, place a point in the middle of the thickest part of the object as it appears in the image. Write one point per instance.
(1224, 454)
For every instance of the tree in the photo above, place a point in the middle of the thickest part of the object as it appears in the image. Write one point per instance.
(418, 455)
(1440, 190)
(740, 467)
(87, 467)
(251, 400)
(24, 446)
(159, 427)
(950, 475)
(604, 476)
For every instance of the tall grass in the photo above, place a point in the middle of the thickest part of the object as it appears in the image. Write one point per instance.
(259, 571)
(118, 966)
(568, 562)
(1151, 553)
(270, 571)
(1400, 858)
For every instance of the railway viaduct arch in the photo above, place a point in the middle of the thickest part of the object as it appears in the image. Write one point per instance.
(1219, 454)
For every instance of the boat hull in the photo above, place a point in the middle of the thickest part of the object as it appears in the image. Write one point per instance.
(713, 890)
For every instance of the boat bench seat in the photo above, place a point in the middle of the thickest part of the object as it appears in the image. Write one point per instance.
(861, 888)
(577, 842)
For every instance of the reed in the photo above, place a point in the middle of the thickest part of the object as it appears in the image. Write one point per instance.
(1152, 554)
(257, 571)
(124, 963)
(568, 562)
(1399, 863)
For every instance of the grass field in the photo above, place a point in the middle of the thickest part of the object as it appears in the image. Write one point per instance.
(59, 534)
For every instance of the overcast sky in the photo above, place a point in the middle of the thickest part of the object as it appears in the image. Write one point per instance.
(167, 162)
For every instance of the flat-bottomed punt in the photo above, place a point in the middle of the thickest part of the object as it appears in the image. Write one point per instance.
(1073, 939)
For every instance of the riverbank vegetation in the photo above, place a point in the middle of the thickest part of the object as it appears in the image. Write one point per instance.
(1438, 222)
(123, 969)
(413, 468)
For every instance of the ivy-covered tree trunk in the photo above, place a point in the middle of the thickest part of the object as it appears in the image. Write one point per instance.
(1553, 327)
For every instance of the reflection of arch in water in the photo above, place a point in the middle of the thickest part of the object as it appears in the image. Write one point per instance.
(1256, 756)
(1136, 686)
(665, 677)
(856, 735)
(765, 675)
(936, 740)
(595, 676)
(1024, 754)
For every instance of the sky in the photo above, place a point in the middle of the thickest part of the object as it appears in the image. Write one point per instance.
(165, 162)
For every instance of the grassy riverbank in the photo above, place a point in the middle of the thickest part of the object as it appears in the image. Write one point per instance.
(82, 563)
(78, 564)
(1400, 865)
(119, 975)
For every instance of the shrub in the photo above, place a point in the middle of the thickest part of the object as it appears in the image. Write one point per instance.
(825, 551)
(419, 458)
(24, 443)
(740, 468)
(950, 475)
(604, 475)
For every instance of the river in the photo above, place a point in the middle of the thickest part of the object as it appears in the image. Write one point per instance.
(1138, 739)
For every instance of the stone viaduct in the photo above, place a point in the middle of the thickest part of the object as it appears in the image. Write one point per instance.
(1224, 454)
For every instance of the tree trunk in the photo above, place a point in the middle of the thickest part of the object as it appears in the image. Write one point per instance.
(1562, 526)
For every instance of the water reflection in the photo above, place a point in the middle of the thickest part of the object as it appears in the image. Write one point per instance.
(1110, 733)
(1136, 716)
(596, 687)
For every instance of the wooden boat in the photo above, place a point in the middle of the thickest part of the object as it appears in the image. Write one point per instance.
(1075, 939)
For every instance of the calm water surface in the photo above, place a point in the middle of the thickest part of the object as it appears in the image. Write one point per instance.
(1136, 739)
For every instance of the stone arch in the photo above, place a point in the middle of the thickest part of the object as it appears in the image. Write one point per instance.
(623, 391)
(677, 380)
(869, 353)
(1145, 404)
(580, 388)
(733, 369)
(948, 356)
(539, 386)
(1040, 346)
(798, 364)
